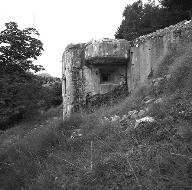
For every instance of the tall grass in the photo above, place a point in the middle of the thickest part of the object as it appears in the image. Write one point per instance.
(152, 156)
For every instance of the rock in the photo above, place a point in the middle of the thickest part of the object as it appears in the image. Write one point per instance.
(124, 118)
(147, 98)
(187, 21)
(130, 113)
(156, 81)
(115, 118)
(134, 116)
(149, 101)
(106, 119)
(141, 113)
(167, 76)
(76, 133)
(146, 119)
(159, 101)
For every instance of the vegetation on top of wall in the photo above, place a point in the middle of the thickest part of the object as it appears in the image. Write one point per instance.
(176, 29)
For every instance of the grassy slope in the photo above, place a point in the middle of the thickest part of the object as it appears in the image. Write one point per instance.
(153, 156)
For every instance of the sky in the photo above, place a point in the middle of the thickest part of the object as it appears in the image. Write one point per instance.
(61, 22)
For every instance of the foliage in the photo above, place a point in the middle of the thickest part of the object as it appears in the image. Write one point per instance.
(19, 96)
(23, 94)
(139, 19)
(51, 95)
(177, 4)
(131, 24)
(24, 160)
(19, 89)
(151, 156)
(18, 49)
(182, 8)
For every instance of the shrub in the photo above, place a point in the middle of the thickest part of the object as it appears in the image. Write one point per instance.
(51, 95)
(19, 97)
(23, 95)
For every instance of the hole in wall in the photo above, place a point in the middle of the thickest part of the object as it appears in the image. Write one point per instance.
(105, 77)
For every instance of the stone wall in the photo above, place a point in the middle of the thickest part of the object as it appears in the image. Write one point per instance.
(147, 52)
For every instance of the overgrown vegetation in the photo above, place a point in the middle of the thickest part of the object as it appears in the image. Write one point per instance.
(23, 94)
(88, 151)
(108, 155)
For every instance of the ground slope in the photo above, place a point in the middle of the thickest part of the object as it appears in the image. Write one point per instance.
(111, 148)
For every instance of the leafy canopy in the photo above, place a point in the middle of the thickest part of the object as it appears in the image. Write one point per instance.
(18, 49)
(177, 4)
(140, 19)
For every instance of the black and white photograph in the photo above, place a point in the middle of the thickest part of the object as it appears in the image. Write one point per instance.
(96, 95)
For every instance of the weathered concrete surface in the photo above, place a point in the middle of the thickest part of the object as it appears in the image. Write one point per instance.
(93, 78)
(149, 51)
(72, 85)
(82, 78)
(106, 50)
(100, 66)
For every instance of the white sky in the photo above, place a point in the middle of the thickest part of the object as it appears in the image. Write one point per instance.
(61, 22)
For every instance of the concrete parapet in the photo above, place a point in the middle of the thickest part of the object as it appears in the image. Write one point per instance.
(111, 51)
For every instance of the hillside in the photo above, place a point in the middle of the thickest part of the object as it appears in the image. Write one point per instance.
(143, 142)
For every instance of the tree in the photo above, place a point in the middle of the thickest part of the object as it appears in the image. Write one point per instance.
(180, 6)
(129, 28)
(177, 4)
(18, 49)
(142, 19)
(19, 88)
(139, 20)
(19, 96)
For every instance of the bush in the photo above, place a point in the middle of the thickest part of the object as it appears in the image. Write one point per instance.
(23, 95)
(19, 97)
(51, 95)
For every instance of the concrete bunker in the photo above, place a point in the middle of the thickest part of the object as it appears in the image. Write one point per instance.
(99, 66)
(93, 68)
